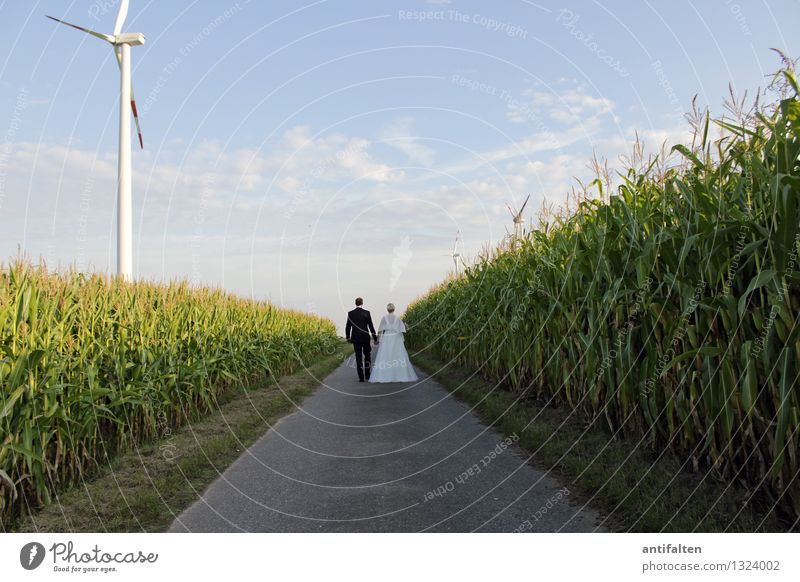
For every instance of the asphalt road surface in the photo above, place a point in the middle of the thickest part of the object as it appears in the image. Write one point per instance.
(360, 457)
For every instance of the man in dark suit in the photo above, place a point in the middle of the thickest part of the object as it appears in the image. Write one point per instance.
(357, 331)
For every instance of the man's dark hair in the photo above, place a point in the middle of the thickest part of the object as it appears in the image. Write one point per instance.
(359, 302)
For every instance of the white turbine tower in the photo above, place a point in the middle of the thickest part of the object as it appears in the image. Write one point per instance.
(122, 43)
(519, 222)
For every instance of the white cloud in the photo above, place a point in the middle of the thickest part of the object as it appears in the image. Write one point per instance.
(218, 215)
(400, 135)
(358, 162)
(527, 147)
(205, 163)
(304, 160)
(618, 146)
(568, 105)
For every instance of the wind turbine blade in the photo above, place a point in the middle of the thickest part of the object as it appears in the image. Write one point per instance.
(133, 102)
(122, 14)
(136, 119)
(523, 206)
(100, 35)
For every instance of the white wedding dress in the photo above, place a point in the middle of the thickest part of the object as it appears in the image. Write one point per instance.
(391, 363)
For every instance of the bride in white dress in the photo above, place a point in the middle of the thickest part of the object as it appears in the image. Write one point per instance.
(391, 363)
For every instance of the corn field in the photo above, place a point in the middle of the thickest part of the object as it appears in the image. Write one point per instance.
(90, 367)
(667, 308)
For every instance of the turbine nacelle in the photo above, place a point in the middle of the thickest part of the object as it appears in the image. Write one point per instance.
(519, 221)
(131, 38)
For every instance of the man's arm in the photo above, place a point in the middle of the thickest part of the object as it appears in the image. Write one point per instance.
(347, 328)
(371, 328)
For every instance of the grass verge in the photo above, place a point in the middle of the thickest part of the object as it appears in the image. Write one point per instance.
(636, 489)
(144, 490)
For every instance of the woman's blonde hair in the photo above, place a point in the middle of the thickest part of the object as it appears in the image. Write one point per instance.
(390, 307)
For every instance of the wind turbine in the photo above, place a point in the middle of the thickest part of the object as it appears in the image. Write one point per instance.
(122, 43)
(519, 222)
(456, 256)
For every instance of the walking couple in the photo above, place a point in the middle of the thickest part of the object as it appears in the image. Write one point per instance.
(391, 360)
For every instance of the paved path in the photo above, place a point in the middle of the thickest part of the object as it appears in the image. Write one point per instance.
(368, 457)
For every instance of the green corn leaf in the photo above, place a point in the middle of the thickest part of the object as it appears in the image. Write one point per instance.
(763, 279)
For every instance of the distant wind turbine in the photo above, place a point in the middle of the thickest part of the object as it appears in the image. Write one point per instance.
(519, 222)
(455, 255)
(122, 43)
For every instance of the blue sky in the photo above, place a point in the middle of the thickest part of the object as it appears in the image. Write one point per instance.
(309, 153)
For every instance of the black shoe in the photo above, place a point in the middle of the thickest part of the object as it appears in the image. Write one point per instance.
(361, 379)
